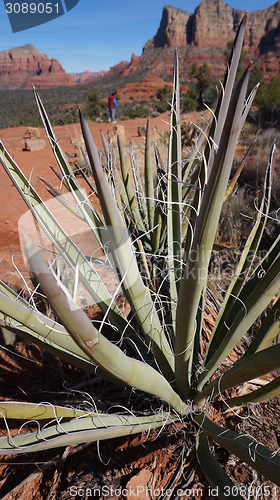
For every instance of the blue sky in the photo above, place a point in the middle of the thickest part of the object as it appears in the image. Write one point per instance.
(96, 35)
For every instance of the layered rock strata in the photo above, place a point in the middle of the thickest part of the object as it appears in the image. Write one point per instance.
(23, 67)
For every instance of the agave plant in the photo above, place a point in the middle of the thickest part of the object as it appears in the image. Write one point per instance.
(157, 232)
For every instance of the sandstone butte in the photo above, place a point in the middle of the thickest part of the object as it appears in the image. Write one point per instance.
(200, 37)
(23, 67)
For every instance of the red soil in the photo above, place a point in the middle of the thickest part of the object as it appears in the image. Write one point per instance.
(35, 163)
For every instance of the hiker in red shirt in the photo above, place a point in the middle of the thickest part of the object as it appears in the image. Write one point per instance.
(112, 105)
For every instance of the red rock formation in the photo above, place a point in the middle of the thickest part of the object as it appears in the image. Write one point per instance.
(140, 91)
(23, 67)
(200, 37)
(132, 66)
(214, 24)
(86, 76)
(203, 36)
(172, 31)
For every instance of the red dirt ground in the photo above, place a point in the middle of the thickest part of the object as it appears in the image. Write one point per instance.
(35, 163)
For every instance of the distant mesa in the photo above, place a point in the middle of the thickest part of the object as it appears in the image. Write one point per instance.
(200, 37)
(86, 76)
(22, 67)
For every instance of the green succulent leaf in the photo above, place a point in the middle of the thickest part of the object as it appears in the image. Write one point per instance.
(62, 242)
(126, 265)
(215, 474)
(194, 280)
(246, 448)
(89, 212)
(81, 430)
(232, 299)
(98, 348)
(268, 331)
(130, 191)
(252, 307)
(269, 390)
(174, 195)
(41, 411)
(138, 187)
(248, 368)
(149, 179)
(223, 103)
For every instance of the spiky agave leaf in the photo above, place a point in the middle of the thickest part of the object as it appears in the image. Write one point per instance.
(242, 273)
(125, 263)
(194, 280)
(212, 470)
(246, 369)
(97, 347)
(246, 448)
(175, 219)
(267, 391)
(254, 299)
(174, 195)
(83, 429)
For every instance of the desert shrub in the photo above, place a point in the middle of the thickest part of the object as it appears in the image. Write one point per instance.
(156, 236)
(190, 101)
(268, 102)
(138, 111)
(202, 91)
(96, 107)
(163, 97)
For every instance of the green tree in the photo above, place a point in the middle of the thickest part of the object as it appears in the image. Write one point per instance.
(95, 106)
(164, 99)
(190, 100)
(202, 76)
(268, 102)
(197, 95)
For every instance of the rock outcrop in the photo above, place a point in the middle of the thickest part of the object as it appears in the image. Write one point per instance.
(23, 67)
(199, 37)
(213, 24)
(172, 31)
(143, 90)
(86, 76)
(203, 36)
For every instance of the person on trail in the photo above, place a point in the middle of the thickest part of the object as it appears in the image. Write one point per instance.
(112, 105)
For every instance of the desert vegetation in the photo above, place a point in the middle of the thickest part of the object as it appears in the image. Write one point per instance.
(61, 103)
(156, 229)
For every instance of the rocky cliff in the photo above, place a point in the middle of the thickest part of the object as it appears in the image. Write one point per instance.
(200, 37)
(172, 31)
(203, 36)
(86, 76)
(23, 67)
